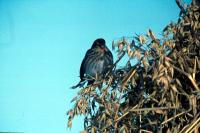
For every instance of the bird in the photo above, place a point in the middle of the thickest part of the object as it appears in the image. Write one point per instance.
(97, 62)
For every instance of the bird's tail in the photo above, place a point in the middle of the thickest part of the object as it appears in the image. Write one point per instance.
(80, 84)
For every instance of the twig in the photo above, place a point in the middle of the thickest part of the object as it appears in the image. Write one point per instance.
(125, 114)
(123, 53)
(140, 121)
(145, 131)
(153, 109)
(114, 65)
(130, 75)
(195, 67)
(173, 117)
(191, 128)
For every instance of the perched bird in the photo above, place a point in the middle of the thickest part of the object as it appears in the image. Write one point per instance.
(97, 62)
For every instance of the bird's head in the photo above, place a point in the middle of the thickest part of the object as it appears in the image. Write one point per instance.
(100, 44)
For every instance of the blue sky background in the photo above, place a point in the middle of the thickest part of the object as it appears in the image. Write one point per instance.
(42, 44)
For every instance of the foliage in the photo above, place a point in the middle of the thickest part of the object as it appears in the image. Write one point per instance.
(158, 90)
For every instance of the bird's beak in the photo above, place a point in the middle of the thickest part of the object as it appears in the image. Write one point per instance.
(104, 49)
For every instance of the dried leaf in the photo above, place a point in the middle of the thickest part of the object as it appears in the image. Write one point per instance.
(159, 111)
(137, 54)
(142, 39)
(174, 88)
(69, 124)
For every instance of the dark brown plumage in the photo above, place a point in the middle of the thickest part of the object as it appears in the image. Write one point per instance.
(96, 63)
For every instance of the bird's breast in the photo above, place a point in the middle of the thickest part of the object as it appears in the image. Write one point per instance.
(95, 68)
(96, 63)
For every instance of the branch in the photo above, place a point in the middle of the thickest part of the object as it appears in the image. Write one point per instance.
(166, 121)
(180, 5)
(189, 77)
(193, 125)
(138, 110)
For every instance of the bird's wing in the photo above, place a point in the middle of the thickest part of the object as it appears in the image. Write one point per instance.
(82, 69)
(109, 58)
